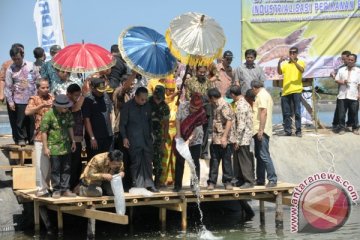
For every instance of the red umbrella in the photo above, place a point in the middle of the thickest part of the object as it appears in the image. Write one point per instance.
(83, 57)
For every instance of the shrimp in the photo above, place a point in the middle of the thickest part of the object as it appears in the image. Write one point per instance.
(283, 50)
(290, 39)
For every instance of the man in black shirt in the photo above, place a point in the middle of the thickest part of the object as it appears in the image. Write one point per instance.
(135, 130)
(96, 114)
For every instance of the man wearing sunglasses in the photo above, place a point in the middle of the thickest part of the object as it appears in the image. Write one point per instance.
(292, 71)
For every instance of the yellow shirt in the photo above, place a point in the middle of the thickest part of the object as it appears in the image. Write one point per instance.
(153, 83)
(263, 100)
(292, 82)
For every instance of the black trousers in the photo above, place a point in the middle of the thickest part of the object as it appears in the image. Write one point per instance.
(104, 145)
(218, 154)
(12, 121)
(244, 165)
(141, 167)
(335, 121)
(76, 166)
(352, 107)
(180, 162)
(23, 126)
(60, 172)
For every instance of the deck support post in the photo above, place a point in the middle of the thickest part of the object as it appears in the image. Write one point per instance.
(91, 225)
(184, 214)
(279, 215)
(131, 214)
(60, 221)
(262, 212)
(45, 217)
(36, 216)
(162, 216)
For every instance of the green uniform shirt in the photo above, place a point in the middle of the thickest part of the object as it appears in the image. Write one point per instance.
(56, 125)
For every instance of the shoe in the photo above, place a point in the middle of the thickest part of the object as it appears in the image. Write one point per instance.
(210, 187)
(259, 184)
(21, 143)
(177, 189)
(285, 134)
(56, 194)
(341, 132)
(356, 132)
(42, 194)
(246, 185)
(271, 184)
(153, 189)
(228, 186)
(298, 134)
(68, 193)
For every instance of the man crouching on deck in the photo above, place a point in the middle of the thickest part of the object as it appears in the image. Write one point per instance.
(98, 173)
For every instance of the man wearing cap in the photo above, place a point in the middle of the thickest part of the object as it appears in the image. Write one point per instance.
(96, 112)
(248, 71)
(57, 133)
(136, 132)
(160, 114)
(292, 70)
(224, 74)
(189, 116)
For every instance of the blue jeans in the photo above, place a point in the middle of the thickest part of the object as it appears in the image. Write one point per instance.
(263, 160)
(286, 102)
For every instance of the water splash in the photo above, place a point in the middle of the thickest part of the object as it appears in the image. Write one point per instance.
(184, 151)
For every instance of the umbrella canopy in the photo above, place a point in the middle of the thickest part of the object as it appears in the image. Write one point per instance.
(195, 39)
(82, 58)
(146, 51)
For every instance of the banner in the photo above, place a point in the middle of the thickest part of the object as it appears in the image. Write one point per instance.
(48, 24)
(321, 30)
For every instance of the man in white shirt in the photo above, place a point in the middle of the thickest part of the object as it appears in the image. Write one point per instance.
(348, 79)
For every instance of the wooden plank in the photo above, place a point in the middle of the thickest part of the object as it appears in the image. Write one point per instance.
(100, 215)
(17, 154)
(24, 178)
(10, 167)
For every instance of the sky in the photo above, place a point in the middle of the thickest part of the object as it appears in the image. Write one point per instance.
(101, 22)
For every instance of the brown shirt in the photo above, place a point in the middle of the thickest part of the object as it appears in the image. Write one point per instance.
(225, 78)
(222, 114)
(98, 166)
(36, 101)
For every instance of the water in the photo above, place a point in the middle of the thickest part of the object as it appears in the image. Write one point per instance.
(183, 149)
(224, 224)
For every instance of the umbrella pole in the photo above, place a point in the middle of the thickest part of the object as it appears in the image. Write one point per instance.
(182, 84)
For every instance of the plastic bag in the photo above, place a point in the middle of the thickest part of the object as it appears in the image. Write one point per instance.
(119, 196)
(183, 149)
(141, 191)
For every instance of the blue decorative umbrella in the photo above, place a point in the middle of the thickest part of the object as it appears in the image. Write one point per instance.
(146, 51)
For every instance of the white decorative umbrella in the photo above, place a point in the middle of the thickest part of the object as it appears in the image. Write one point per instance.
(195, 39)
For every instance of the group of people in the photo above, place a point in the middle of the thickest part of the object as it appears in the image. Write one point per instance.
(347, 76)
(130, 129)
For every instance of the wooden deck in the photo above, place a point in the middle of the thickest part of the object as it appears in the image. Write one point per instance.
(91, 207)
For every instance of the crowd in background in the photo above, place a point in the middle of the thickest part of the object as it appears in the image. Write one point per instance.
(124, 122)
